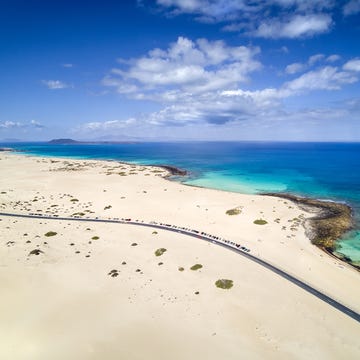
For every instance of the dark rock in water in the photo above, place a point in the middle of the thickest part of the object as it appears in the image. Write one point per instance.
(331, 221)
(173, 170)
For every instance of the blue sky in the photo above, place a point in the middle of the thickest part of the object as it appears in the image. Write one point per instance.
(180, 69)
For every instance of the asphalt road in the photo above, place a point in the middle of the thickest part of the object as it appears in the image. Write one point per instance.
(344, 309)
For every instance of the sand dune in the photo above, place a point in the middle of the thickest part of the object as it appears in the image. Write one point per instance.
(63, 303)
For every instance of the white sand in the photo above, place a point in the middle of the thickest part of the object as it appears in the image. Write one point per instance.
(64, 305)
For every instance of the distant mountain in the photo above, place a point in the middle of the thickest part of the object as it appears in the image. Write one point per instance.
(64, 141)
(72, 141)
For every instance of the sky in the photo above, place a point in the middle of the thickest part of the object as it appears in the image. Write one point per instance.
(164, 70)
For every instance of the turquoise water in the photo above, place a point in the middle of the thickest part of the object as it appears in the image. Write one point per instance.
(322, 170)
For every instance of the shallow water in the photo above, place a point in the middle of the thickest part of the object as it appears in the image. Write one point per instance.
(322, 170)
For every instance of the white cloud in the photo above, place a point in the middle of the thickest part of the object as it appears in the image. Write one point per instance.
(315, 58)
(191, 66)
(352, 7)
(352, 65)
(311, 62)
(325, 78)
(20, 125)
(295, 27)
(9, 124)
(333, 58)
(68, 65)
(220, 10)
(36, 124)
(107, 125)
(55, 84)
(269, 19)
(294, 68)
(204, 82)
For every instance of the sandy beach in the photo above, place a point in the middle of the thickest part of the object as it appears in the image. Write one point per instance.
(64, 304)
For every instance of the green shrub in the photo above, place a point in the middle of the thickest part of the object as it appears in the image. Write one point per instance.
(159, 252)
(50, 233)
(36, 252)
(196, 267)
(260, 222)
(224, 283)
(235, 211)
(95, 238)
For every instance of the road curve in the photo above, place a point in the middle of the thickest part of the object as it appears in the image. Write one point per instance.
(344, 309)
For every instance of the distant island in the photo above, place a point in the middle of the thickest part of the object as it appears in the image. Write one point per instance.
(64, 141)
(72, 141)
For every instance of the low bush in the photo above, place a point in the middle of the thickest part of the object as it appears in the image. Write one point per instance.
(260, 222)
(160, 251)
(224, 283)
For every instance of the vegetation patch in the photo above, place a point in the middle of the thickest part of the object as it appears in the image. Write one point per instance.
(78, 214)
(113, 273)
(235, 211)
(154, 232)
(74, 200)
(95, 238)
(224, 283)
(260, 222)
(196, 267)
(160, 251)
(36, 252)
(50, 233)
(107, 207)
(181, 268)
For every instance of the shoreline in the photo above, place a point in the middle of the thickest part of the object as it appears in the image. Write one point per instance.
(332, 220)
(113, 283)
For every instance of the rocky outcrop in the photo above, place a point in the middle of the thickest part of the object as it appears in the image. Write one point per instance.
(330, 222)
(173, 170)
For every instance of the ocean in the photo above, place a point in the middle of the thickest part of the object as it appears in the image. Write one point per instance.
(328, 171)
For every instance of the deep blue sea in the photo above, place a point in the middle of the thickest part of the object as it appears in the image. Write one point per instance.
(321, 170)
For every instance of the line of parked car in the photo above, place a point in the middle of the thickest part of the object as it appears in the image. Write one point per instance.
(179, 228)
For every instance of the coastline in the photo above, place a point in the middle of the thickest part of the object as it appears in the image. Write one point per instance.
(158, 301)
(331, 221)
